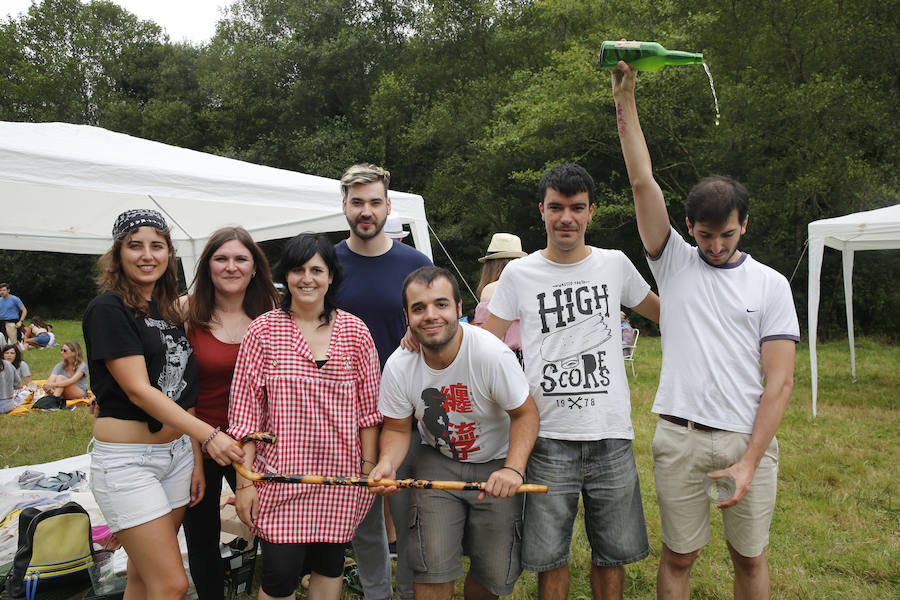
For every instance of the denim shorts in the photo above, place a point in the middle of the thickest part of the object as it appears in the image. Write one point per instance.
(137, 483)
(42, 339)
(604, 473)
(446, 524)
(681, 457)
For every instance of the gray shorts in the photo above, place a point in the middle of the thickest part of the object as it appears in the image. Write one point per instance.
(605, 474)
(137, 483)
(446, 524)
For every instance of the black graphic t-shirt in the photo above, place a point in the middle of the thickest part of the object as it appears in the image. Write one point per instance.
(111, 330)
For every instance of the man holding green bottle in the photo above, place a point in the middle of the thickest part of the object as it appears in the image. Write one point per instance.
(728, 324)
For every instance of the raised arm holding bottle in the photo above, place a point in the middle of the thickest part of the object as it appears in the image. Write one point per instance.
(716, 416)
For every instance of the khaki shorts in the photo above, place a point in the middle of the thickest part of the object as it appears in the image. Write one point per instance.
(681, 457)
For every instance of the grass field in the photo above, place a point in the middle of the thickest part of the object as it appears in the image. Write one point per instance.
(836, 529)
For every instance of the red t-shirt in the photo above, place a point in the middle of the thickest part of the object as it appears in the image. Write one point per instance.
(215, 363)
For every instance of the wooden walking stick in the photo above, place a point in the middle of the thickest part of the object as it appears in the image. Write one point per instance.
(268, 438)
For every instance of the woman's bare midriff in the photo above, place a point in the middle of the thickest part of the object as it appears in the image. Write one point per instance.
(122, 431)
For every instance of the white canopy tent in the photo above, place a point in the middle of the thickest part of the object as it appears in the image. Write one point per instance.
(62, 186)
(870, 230)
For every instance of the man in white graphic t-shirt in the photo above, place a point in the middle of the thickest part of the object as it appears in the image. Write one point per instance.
(729, 330)
(568, 299)
(478, 422)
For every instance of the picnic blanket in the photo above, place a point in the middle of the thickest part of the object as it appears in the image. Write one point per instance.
(26, 406)
(13, 499)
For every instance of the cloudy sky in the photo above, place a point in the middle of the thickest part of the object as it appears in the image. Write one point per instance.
(192, 20)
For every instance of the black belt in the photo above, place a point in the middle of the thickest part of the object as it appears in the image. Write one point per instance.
(688, 424)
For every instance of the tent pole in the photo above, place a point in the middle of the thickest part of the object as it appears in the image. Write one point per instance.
(419, 228)
(189, 264)
(847, 256)
(816, 248)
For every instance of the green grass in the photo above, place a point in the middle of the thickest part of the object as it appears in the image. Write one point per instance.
(836, 529)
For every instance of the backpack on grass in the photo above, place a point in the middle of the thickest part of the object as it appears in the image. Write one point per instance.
(53, 544)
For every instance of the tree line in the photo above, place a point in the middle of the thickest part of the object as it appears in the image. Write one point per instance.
(467, 102)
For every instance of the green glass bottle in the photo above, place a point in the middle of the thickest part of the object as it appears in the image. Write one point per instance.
(644, 56)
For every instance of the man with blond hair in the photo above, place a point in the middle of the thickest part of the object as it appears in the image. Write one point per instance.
(375, 267)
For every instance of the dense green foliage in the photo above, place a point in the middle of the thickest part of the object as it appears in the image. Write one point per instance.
(467, 102)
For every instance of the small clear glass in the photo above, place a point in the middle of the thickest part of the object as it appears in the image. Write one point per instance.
(102, 573)
(719, 489)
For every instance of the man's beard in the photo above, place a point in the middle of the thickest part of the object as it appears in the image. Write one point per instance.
(367, 235)
(437, 345)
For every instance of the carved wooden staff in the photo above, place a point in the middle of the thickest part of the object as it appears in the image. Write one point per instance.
(268, 438)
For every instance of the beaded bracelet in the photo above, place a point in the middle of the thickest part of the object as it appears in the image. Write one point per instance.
(211, 436)
(365, 460)
(516, 471)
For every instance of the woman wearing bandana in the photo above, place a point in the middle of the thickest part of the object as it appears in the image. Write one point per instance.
(144, 375)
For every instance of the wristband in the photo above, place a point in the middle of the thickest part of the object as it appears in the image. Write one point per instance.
(211, 436)
(240, 487)
(516, 471)
(368, 461)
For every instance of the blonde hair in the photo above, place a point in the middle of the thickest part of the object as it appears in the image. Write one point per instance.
(364, 173)
(76, 360)
(490, 272)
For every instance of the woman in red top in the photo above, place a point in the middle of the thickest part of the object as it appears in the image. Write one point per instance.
(232, 286)
(308, 373)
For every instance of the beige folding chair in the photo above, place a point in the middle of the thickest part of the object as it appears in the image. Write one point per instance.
(628, 351)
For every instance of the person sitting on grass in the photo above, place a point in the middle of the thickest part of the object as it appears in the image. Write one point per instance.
(69, 378)
(9, 380)
(13, 355)
(36, 334)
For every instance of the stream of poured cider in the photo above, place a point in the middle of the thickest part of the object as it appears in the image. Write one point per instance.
(712, 87)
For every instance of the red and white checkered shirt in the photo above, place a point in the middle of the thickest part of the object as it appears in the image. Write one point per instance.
(316, 414)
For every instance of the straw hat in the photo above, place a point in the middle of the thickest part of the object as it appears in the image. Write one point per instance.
(504, 245)
(393, 228)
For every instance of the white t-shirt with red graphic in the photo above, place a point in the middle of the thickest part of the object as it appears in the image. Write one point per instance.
(461, 409)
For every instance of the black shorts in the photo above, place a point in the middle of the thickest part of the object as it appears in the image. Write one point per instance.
(283, 564)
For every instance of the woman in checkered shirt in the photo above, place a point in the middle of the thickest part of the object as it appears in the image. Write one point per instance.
(308, 373)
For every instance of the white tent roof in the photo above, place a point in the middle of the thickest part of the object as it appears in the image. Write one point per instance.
(63, 185)
(870, 230)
